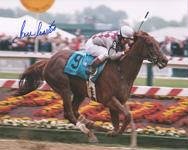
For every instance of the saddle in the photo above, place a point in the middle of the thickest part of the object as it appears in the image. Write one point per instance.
(78, 65)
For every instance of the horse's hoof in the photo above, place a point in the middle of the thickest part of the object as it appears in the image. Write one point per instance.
(133, 147)
(112, 133)
(93, 139)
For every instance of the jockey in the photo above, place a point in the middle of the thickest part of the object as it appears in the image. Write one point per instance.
(108, 45)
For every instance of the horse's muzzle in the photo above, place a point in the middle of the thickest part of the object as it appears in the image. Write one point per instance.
(162, 62)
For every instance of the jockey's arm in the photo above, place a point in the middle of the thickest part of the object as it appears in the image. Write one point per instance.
(113, 55)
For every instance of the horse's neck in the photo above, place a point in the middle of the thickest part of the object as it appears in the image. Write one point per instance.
(130, 67)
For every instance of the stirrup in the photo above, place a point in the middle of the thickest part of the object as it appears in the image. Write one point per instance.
(92, 71)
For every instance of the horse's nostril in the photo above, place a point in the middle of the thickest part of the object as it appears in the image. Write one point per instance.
(165, 60)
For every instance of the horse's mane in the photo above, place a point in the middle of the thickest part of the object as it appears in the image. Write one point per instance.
(146, 37)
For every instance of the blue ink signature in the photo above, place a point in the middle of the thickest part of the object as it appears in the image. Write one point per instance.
(39, 31)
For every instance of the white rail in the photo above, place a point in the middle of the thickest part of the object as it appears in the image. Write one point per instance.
(143, 90)
(175, 62)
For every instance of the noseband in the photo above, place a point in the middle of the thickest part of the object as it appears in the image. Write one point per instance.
(154, 59)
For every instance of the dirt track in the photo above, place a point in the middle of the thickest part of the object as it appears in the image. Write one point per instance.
(6, 144)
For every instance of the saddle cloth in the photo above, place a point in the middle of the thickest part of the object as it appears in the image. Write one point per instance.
(78, 63)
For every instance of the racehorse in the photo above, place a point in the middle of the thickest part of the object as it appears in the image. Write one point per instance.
(113, 86)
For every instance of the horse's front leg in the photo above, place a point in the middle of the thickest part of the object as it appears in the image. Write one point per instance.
(116, 105)
(133, 127)
(124, 109)
(86, 125)
(115, 122)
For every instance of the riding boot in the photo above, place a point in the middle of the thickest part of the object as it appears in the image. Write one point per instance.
(92, 68)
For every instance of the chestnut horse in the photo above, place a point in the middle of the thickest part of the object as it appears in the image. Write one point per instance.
(112, 87)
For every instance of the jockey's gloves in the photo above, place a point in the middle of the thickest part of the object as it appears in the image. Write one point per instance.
(117, 55)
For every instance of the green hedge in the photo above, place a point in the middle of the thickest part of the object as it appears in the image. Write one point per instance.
(72, 136)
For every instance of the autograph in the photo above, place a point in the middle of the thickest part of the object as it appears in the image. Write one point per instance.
(38, 32)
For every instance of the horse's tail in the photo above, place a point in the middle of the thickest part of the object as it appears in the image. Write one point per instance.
(32, 78)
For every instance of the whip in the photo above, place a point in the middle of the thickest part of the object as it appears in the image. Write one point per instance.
(145, 18)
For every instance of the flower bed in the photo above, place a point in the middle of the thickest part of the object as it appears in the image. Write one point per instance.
(61, 124)
(151, 116)
(171, 114)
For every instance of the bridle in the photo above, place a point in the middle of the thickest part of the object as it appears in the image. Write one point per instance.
(152, 57)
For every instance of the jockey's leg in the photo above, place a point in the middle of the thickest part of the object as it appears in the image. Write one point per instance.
(93, 66)
(100, 52)
(96, 62)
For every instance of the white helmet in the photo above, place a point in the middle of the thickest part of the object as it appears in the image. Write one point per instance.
(126, 32)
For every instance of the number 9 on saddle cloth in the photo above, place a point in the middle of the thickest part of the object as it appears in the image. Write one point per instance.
(78, 64)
